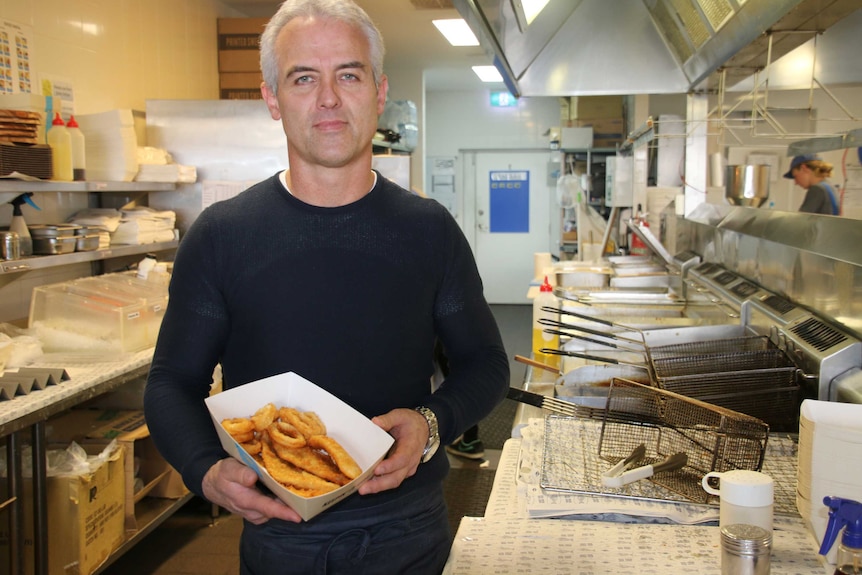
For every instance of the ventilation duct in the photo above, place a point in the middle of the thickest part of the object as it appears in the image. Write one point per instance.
(593, 47)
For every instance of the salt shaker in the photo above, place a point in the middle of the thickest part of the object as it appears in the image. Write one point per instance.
(745, 550)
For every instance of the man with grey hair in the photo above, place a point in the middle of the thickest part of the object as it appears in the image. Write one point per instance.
(331, 271)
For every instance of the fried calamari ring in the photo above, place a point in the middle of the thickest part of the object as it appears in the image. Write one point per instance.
(307, 422)
(315, 462)
(287, 474)
(285, 434)
(243, 437)
(346, 464)
(238, 425)
(252, 447)
(264, 416)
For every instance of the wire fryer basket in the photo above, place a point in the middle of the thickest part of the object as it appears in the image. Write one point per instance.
(714, 438)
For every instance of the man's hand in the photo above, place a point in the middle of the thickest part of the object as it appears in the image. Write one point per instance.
(410, 431)
(231, 485)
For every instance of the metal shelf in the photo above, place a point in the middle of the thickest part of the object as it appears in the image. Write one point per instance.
(9, 189)
(150, 512)
(42, 262)
(390, 146)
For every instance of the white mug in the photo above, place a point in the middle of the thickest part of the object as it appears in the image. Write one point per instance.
(746, 497)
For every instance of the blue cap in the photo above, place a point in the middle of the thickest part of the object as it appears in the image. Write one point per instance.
(798, 161)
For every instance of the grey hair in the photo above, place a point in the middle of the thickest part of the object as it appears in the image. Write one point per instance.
(342, 10)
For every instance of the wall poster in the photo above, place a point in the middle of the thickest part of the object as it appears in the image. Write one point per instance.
(509, 201)
(15, 46)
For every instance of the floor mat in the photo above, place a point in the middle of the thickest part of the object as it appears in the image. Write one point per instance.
(466, 492)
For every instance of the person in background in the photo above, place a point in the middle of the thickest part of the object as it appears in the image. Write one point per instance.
(331, 271)
(809, 171)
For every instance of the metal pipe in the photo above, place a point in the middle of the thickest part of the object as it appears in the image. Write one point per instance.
(15, 504)
(40, 500)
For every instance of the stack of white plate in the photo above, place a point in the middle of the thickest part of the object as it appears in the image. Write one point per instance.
(830, 460)
(111, 145)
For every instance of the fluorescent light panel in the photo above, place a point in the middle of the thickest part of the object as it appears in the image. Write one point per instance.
(488, 73)
(456, 32)
(532, 9)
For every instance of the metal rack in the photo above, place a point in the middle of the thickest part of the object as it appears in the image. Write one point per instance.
(31, 412)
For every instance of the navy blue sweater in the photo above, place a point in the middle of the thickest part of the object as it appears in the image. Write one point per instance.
(351, 298)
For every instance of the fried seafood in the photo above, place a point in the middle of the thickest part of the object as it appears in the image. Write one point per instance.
(238, 426)
(313, 461)
(252, 447)
(264, 416)
(285, 434)
(339, 455)
(293, 447)
(307, 422)
(288, 474)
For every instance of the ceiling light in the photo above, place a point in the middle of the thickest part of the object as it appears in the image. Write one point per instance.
(488, 73)
(532, 8)
(526, 11)
(456, 32)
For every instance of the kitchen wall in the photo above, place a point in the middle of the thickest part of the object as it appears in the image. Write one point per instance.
(119, 53)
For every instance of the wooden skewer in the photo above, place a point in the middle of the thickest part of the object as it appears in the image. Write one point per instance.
(539, 364)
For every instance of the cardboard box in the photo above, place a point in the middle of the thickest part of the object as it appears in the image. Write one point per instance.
(129, 429)
(590, 107)
(238, 44)
(85, 517)
(240, 85)
(238, 61)
(607, 132)
(363, 440)
(604, 127)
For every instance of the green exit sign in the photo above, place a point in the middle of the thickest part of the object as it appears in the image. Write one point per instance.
(503, 100)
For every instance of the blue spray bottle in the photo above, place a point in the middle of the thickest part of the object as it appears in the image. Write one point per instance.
(19, 225)
(844, 514)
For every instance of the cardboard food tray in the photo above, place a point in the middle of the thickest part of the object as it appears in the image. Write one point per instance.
(363, 440)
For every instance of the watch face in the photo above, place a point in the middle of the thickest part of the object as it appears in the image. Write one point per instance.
(430, 450)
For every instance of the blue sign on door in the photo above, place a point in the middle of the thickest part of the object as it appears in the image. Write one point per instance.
(510, 201)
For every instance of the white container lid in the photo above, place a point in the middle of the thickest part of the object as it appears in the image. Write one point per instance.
(743, 487)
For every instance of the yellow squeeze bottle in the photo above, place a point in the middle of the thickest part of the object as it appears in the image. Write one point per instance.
(541, 339)
(61, 150)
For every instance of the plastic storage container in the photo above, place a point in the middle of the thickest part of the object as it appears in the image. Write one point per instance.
(96, 315)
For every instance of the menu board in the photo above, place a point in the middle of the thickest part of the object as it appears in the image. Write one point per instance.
(15, 46)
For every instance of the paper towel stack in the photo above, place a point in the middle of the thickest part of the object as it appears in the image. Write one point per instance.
(830, 460)
(111, 145)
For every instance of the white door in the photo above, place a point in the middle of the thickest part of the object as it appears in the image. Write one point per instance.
(512, 218)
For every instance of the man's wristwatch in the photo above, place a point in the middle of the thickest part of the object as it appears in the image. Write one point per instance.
(433, 433)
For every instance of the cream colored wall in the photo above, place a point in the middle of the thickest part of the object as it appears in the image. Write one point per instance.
(119, 53)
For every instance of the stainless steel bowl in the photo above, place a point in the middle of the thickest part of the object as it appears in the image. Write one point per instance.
(747, 185)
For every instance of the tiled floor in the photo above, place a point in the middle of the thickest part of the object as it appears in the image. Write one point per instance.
(191, 542)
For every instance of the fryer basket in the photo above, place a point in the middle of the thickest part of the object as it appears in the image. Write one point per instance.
(750, 375)
(714, 438)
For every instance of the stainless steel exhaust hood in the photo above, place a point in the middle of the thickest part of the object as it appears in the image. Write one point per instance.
(599, 47)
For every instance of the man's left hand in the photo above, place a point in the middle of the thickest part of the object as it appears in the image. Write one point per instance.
(410, 430)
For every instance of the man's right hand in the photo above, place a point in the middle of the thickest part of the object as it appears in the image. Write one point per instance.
(231, 485)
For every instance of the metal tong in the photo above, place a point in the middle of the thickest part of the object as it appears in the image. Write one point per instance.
(616, 337)
(567, 326)
(620, 474)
